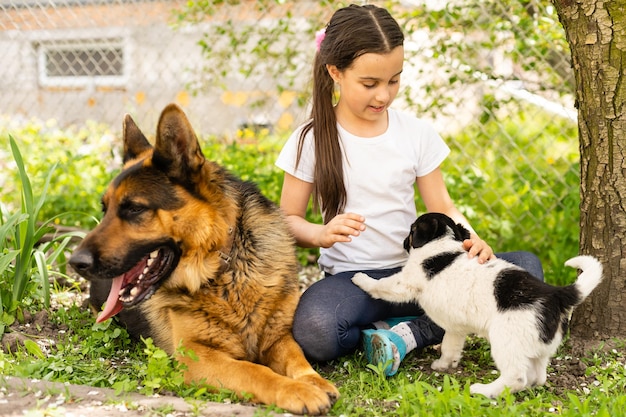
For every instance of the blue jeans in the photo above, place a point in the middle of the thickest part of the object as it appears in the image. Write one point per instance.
(332, 311)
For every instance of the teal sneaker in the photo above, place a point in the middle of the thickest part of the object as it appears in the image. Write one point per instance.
(392, 321)
(384, 347)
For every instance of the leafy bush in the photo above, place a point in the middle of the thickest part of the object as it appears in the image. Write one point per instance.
(250, 156)
(520, 191)
(85, 158)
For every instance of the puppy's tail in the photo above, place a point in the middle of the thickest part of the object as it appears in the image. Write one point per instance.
(591, 274)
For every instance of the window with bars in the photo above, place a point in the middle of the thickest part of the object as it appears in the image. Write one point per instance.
(82, 63)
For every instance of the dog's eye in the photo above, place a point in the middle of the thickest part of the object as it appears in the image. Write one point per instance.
(130, 210)
(136, 209)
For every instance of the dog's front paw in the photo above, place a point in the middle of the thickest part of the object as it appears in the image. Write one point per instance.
(300, 397)
(364, 281)
(316, 380)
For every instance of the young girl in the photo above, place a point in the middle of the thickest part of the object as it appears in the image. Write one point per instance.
(360, 161)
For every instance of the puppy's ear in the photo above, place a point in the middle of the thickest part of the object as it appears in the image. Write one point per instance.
(408, 242)
(460, 232)
(426, 229)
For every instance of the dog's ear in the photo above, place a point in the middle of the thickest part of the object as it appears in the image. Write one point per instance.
(408, 242)
(135, 143)
(425, 229)
(177, 150)
(460, 232)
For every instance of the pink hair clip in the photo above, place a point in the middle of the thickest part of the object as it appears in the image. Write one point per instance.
(319, 38)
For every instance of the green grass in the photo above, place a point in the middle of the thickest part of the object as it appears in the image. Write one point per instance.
(102, 355)
(416, 390)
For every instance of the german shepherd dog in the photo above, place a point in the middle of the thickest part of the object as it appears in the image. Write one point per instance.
(197, 259)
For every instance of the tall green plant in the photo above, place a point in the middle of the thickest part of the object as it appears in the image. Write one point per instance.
(24, 261)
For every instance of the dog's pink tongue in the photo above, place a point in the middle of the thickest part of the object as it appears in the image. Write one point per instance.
(113, 304)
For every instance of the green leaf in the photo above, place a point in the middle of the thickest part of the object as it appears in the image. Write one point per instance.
(34, 349)
(6, 258)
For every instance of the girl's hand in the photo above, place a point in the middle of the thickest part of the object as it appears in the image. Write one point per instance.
(475, 246)
(341, 228)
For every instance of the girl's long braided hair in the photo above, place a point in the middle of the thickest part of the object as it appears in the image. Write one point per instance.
(352, 31)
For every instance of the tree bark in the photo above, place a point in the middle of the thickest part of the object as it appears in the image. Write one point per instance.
(596, 33)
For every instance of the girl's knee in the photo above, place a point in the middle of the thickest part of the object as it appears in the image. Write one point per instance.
(527, 260)
(316, 334)
(317, 343)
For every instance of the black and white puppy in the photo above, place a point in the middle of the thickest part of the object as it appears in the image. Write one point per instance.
(522, 317)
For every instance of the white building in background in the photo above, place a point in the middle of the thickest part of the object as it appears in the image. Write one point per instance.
(77, 60)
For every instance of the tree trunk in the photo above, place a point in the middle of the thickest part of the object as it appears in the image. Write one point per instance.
(596, 33)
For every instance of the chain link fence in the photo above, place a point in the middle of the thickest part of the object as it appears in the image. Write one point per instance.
(492, 75)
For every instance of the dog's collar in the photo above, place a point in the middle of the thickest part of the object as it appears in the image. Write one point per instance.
(225, 251)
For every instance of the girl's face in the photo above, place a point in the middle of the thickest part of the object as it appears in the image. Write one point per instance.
(367, 89)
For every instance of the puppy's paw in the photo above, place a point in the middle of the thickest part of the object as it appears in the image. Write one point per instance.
(440, 365)
(364, 281)
(488, 390)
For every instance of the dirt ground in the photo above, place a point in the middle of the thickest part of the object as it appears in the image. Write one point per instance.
(22, 397)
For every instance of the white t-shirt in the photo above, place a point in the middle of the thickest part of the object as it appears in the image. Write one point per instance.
(379, 175)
